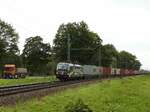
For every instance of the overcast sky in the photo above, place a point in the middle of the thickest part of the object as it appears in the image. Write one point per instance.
(124, 23)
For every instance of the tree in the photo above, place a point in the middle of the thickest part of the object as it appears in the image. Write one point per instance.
(109, 55)
(137, 64)
(83, 42)
(128, 60)
(9, 51)
(36, 55)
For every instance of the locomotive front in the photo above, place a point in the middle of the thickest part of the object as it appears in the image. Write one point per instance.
(62, 71)
(69, 71)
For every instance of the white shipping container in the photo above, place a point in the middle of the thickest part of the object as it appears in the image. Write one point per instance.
(136, 72)
(115, 71)
(90, 70)
(118, 72)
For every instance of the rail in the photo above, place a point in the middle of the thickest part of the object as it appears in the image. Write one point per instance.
(11, 90)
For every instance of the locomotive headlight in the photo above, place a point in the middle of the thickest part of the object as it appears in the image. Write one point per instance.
(62, 72)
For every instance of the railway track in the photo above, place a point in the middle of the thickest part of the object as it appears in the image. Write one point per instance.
(11, 90)
(12, 94)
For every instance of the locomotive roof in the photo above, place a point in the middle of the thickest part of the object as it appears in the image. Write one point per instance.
(70, 64)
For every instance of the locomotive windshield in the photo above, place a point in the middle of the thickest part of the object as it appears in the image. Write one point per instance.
(62, 66)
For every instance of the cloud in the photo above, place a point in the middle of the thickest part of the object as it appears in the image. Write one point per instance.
(124, 23)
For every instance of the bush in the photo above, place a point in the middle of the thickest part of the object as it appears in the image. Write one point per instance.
(77, 106)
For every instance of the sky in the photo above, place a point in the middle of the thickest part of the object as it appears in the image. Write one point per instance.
(123, 23)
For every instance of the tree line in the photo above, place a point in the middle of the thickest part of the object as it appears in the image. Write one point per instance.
(86, 47)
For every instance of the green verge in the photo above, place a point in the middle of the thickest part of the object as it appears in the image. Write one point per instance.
(130, 94)
(27, 80)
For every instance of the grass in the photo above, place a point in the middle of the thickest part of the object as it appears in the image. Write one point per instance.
(27, 80)
(130, 94)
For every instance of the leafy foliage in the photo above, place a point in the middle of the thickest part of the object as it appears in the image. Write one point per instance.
(85, 46)
(36, 55)
(83, 42)
(9, 51)
(78, 106)
(8, 38)
(128, 60)
(109, 55)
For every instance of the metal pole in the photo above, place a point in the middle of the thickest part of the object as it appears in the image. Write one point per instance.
(68, 51)
(99, 55)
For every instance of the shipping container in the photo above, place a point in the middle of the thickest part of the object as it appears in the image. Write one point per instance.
(115, 71)
(100, 70)
(91, 70)
(106, 71)
(122, 71)
(131, 72)
(118, 71)
(136, 72)
(126, 72)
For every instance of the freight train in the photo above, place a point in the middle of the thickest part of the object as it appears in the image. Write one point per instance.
(69, 71)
